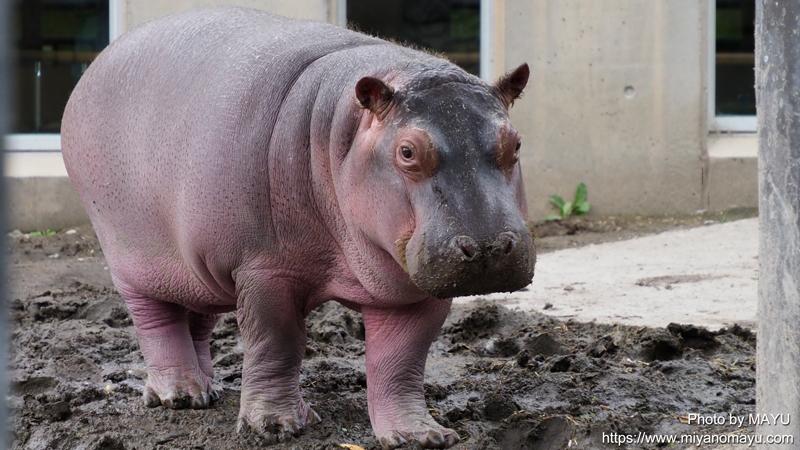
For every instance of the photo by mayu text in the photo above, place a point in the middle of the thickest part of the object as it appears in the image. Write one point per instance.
(739, 421)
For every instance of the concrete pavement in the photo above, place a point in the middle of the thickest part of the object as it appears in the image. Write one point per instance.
(702, 276)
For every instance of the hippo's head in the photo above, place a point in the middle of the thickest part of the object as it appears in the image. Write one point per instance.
(442, 161)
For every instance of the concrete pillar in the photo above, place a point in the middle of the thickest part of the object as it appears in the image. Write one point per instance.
(5, 125)
(778, 94)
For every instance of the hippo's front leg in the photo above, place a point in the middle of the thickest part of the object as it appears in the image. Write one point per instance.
(274, 338)
(397, 347)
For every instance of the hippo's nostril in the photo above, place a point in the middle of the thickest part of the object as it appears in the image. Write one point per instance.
(506, 241)
(467, 246)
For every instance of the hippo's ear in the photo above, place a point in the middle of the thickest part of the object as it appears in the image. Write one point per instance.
(373, 94)
(512, 83)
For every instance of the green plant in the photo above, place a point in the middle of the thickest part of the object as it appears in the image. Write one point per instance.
(43, 233)
(576, 207)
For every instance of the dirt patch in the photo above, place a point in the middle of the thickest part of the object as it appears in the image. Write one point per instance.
(668, 280)
(502, 379)
(580, 231)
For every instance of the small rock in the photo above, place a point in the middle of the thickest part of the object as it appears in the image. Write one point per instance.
(73, 231)
(16, 234)
(114, 375)
(602, 346)
(523, 358)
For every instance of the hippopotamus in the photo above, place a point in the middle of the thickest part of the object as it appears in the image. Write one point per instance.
(230, 159)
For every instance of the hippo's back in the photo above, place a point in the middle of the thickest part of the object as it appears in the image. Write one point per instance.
(167, 137)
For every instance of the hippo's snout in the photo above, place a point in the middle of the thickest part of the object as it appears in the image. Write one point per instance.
(463, 265)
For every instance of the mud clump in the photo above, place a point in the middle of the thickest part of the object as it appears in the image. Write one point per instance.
(497, 407)
(661, 345)
(698, 338)
(502, 347)
(479, 322)
(542, 344)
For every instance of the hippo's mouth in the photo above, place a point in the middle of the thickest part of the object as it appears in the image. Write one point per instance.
(402, 244)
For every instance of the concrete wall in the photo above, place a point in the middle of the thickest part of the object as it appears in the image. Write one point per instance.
(39, 194)
(135, 12)
(41, 203)
(732, 171)
(616, 99)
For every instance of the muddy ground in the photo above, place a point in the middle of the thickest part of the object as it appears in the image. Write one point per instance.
(503, 379)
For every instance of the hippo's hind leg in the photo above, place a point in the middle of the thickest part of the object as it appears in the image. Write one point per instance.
(274, 337)
(174, 342)
(200, 327)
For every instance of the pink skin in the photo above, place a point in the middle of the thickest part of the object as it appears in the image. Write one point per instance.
(269, 201)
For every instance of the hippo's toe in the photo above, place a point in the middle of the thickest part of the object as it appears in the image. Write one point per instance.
(179, 391)
(275, 426)
(428, 438)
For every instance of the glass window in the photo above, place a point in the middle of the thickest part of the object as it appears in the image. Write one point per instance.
(735, 58)
(451, 27)
(55, 41)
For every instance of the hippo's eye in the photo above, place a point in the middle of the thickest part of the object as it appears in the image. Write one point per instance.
(415, 159)
(519, 144)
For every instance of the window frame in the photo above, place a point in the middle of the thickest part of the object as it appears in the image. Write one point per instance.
(487, 41)
(721, 124)
(51, 142)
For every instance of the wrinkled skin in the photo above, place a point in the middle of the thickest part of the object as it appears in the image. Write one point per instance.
(230, 159)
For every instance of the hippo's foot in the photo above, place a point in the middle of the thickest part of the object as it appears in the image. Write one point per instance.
(276, 424)
(179, 389)
(428, 433)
